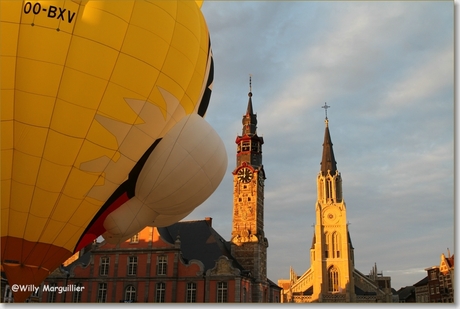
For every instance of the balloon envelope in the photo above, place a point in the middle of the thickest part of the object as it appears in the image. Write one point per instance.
(87, 87)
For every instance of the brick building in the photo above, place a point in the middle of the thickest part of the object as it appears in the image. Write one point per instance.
(185, 262)
(441, 281)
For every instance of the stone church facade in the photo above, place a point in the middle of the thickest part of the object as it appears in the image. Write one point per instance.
(332, 276)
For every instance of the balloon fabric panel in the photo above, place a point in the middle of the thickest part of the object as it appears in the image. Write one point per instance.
(119, 76)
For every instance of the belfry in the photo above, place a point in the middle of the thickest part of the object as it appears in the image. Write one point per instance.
(332, 276)
(248, 241)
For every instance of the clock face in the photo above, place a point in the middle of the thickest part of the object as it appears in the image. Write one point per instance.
(245, 175)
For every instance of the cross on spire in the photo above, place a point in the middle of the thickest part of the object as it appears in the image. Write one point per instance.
(325, 106)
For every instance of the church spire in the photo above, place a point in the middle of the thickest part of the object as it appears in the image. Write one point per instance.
(249, 119)
(328, 160)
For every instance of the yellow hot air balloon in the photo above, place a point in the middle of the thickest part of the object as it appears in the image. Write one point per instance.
(88, 91)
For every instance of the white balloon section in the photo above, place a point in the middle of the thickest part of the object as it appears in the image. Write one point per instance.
(184, 169)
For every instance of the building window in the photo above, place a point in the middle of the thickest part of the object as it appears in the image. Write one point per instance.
(335, 245)
(76, 296)
(8, 296)
(130, 294)
(160, 292)
(102, 293)
(222, 292)
(328, 188)
(437, 290)
(433, 275)
(333, 279)
(132, 265)
(191, 293)
(432, 290)
(104, 267)
(244, 300)
(52, 293)
(134, 239)
(162, 264)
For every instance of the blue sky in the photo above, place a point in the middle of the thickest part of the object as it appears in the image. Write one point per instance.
(387, 71)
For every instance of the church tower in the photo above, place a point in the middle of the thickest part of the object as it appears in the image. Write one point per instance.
(331, 254)
(332, 276)
(248, 242)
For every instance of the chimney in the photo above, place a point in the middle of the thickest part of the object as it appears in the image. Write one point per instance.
(208, 221)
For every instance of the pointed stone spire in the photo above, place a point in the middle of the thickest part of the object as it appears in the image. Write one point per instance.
(249, 119)
(328, 160)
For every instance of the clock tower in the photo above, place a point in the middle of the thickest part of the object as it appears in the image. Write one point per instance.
(248, 242)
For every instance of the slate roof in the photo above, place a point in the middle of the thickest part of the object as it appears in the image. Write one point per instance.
(422, 282)
(358, 291)
(406, 292)
(328, 159)
(199, 241)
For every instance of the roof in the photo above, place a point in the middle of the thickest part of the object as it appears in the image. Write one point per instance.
(199, 241)
(406, 292)
(422, 282)
(358, 291)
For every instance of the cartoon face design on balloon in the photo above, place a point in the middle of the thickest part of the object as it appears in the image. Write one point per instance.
(102, 113)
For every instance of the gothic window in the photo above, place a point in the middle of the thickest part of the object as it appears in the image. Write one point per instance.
(162, 264)
(102, 293)
(321, 188)
(328, 188)
(222, 292)
(335, 245)
(104, 267)
(130, 294)
(326, 252)
(246, 146)
(132, 265)
(191, 292)
(333, 279)
(160, 292)
(338, 188)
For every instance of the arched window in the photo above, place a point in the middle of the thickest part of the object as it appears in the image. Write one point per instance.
(333, 273)
(335, 245)
(130, 294)
(321, 188)
(328, 188)
(327, 245)
(338, 189)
